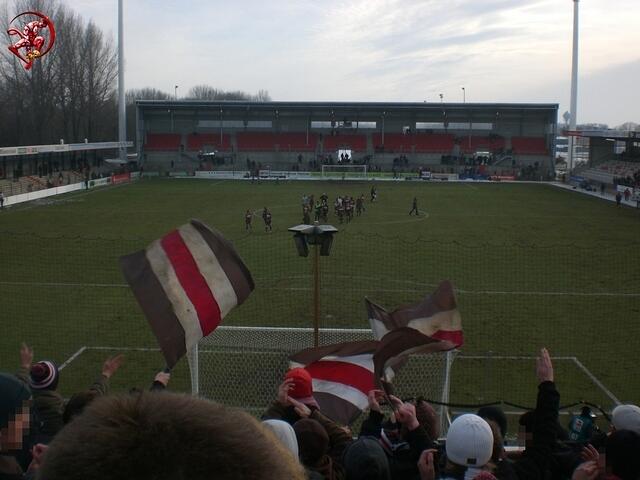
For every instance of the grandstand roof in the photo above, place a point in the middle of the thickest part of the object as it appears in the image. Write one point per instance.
(345, 108)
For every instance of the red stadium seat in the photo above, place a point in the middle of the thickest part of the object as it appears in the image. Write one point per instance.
(162, 142)
(333, 143)
(208, 141)
(434, 142)
(394, 142)
(529, 145)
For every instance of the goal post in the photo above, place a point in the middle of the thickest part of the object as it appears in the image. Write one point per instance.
(344, 172)
(243, 366)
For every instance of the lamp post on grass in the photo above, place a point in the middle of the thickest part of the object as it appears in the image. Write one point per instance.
(321, 237)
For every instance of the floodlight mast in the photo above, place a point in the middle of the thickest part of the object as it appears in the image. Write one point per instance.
(122, 116)
(573, 110)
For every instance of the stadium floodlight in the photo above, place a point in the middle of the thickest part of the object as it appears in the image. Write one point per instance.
(321, 237)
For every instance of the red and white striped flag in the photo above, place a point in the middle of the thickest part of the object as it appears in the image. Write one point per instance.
(186, 283)
(436, 316)
(342, 376)
(396, 346)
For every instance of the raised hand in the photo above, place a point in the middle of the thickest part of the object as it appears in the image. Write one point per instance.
(26, 356)
(405, 413)
(426, 465)
(111, 365)
(283, 391)
(544, 367)
(163, 378)
(374, 397)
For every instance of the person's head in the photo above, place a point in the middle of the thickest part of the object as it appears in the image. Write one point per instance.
(622, 454)
(427, 417)
(165, 436)
(313, 441)
(77, 403)
(365, 459)
(497, 415)
(15, 414)
(498, 441)
(44, 375)
(626, 417)
(302, 389)
(284, 433)
(469, 441)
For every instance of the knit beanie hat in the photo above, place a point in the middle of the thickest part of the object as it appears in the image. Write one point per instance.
(285, 433)
(44, 375)
(365, 459)
(313, 440)
(302, 385)
(469, 441)
(626, 417)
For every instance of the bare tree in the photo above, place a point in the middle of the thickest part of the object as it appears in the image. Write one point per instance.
(207, 92)
(69, 93)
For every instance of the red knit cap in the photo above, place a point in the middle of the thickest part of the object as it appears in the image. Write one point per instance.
(302, 386)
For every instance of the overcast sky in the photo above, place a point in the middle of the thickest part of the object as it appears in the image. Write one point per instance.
(386, 50)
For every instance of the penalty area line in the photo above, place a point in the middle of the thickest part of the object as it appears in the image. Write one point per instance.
(79, 352)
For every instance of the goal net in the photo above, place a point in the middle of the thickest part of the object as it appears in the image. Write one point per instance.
(344, 172)
(243, 366)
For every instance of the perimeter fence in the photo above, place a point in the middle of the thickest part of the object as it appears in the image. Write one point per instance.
(66, 297)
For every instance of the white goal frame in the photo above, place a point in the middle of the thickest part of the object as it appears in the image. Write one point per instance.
(266, 349)
(345, 172)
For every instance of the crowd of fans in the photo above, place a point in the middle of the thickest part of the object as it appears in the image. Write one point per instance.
(631, 180)
(156, 434)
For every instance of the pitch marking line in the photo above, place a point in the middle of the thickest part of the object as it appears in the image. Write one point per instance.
(79, 352)
(293, 289)
(575, 360)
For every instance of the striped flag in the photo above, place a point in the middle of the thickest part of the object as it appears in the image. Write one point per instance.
(436, 316)
(396, 346)
(186, 283)
(342, 376)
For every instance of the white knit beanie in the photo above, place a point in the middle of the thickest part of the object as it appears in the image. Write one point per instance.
(626, 417)
(469, 441)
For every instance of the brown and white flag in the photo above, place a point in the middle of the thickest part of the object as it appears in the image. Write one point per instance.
(396, 346)
(342, 376)
(186, 282)
(436, 316)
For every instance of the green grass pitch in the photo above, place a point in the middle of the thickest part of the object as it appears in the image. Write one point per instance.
(535, 266)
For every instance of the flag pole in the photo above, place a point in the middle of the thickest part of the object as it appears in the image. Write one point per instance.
(316, 295)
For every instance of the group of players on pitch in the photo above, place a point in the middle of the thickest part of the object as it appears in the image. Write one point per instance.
(343, 206)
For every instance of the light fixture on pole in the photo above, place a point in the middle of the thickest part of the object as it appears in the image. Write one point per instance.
(175, 92)
(321, 237)
(464, 95)
(441, 98)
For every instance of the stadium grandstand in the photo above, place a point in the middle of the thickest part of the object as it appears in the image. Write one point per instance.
(613, 157)
(28, 169)
(197, 135)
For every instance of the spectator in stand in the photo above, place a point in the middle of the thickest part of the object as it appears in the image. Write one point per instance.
(470, 441)
(284, 433)
(365, 459)
(618, 198)
(42, 378)
(79, 401)
(17, 427)
(167, 436)
(296, 389)
(494, 414)
(410, 430)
